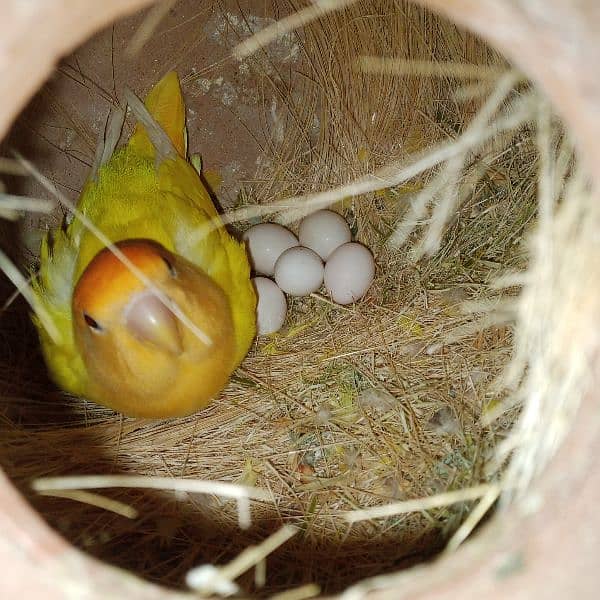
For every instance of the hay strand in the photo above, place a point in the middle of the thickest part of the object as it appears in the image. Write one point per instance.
(298, 19)
(426, 68)
(119, 508)
(208, 579)
(420, 504)
(81, 482)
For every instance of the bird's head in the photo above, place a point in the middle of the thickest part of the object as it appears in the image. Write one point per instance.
(140, 356)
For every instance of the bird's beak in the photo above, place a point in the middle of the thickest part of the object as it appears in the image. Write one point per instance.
(151, 321)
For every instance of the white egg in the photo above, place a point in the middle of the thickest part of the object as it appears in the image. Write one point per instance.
(271, 306)
(323, 232)
(265, 244)
(299, 271)
(349, 273)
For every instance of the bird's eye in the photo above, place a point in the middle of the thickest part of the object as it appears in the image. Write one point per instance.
(170, 266)
(92, 323)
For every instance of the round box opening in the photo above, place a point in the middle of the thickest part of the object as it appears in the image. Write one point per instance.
(401, 397)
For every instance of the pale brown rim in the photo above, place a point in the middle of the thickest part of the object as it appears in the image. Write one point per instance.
(552, 551)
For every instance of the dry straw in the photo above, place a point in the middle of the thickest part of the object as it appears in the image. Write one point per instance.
(380, 431)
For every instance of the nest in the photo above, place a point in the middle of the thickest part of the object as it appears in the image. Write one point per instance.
(403, 396)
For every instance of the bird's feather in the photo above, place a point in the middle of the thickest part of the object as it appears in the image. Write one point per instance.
(135, 197)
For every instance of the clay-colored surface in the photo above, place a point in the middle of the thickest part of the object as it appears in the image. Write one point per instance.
(551, 553)
(35, 35)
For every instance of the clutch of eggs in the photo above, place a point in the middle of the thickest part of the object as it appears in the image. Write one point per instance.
(322, 253)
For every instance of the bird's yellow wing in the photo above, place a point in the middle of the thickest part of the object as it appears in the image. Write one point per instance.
(53, 287)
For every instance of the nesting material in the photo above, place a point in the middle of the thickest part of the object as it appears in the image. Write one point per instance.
(347, 407)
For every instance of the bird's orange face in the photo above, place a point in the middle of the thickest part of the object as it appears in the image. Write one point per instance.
(141, 358)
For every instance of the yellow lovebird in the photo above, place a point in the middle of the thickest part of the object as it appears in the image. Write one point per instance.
(154, 325)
